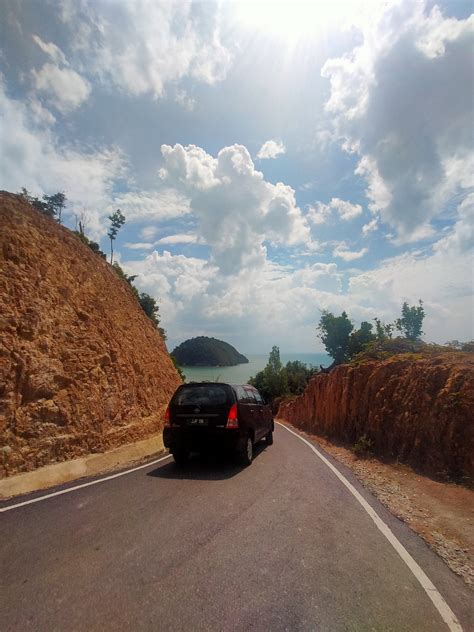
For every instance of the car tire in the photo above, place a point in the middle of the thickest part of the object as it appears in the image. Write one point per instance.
(246, 454)
(269, 437)
(181, 457)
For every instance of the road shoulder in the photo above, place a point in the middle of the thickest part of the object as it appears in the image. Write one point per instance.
(88, 466)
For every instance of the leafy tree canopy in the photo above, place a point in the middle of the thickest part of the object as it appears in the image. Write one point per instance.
(411, 321)
(334, 332)
(342, 342)
(276, 380)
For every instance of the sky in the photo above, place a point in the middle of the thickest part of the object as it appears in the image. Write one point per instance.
(272, 159)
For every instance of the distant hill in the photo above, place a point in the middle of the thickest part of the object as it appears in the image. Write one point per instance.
(204, 351)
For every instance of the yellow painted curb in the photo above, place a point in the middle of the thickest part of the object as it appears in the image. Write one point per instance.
(90, 465)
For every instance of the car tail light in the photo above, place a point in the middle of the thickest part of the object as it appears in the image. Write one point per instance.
(232, 419)
(167, 418)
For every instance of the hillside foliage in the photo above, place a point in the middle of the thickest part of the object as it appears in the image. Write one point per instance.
(276, 381)
(343, 342)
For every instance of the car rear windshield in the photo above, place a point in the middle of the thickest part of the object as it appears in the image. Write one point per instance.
(205, 395)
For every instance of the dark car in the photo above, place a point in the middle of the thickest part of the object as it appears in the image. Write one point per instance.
(203, 415)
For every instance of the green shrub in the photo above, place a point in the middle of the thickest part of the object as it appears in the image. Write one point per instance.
(363, 446)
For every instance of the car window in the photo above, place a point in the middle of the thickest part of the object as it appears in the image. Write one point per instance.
(258, 397)
(211, 395)
(250, 398)
(241, 395)
(244, 395)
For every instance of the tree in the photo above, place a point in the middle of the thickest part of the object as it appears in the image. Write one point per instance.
(334, 332)
(359, 339)
(298, 374)
(25, 194)
(411, 322)
(43, 207)
(272, 382)
(383, 331)
(56, 202)
(50, 205)
(117, 220)
(151, 309)
(149, 306)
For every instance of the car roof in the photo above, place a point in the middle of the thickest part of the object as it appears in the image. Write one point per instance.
(204, 383)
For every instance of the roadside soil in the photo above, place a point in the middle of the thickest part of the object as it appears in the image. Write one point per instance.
(441, 513)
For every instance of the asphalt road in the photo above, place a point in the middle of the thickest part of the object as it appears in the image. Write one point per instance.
(280, 545)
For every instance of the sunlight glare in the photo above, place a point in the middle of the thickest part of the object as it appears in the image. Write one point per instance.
(295, 19)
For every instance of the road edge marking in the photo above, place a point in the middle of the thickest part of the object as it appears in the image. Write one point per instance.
(75, 487)
(430, 589)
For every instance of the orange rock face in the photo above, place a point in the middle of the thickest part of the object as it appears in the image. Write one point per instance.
(82, 368)
(420, 411)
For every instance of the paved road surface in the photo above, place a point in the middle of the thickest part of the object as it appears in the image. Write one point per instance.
(281, 545)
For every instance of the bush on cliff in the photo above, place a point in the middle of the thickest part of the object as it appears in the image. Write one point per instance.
(146, 302)
(413, 349)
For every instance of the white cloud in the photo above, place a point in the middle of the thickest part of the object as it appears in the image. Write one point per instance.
(319, 213)
(236, 208)
(139, 245)
(342, 251)
(159, 43)
(346, 210)
(148, 232)
(196, 299)
(370, 227)
(50, 49)
(442, 279)
(180, 238)
(33, 158)
(64, 88)
(39, 114)
(158, 205)
(180, 283)
(271, 149)
(392, 99)
(460, 241)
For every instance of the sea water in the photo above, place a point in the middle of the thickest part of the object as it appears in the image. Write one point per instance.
(241, 373)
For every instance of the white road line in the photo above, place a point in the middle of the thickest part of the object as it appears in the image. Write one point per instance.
(73, 489)
(440, 604)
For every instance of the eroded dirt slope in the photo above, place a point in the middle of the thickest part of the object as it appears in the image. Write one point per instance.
(417, 410)
(82, 368)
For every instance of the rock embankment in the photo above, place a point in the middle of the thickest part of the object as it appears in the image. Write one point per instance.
(416, 410)
(82, 368)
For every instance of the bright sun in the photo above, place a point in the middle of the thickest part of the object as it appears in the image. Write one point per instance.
(294, 19)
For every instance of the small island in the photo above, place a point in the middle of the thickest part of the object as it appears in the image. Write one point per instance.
(204, 351)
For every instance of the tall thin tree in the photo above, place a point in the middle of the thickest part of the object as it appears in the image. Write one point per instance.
(117, 220)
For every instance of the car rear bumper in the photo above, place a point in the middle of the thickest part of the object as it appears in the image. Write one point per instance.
(201, 438)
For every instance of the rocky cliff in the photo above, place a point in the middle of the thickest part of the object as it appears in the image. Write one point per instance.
(82, 368)
(417, 410)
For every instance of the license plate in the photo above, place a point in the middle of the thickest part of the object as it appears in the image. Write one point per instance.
(197, 422)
